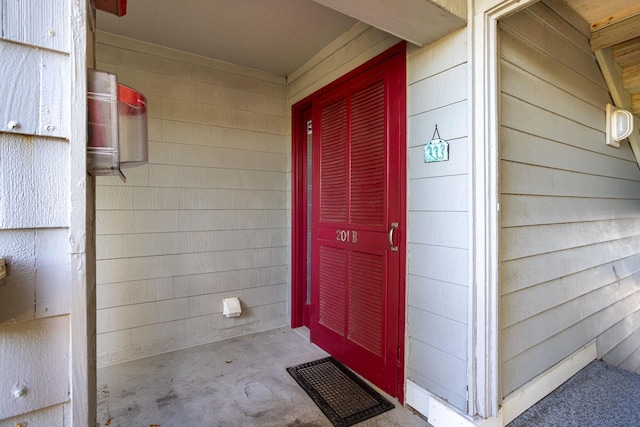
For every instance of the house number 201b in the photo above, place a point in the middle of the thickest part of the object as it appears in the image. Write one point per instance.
(346, 236)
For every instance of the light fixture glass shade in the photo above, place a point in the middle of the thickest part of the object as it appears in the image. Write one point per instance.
(619, 125)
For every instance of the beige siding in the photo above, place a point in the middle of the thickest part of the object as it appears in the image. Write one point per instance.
(438, 238)
(355, 47)
(206, 219)
(570, 215)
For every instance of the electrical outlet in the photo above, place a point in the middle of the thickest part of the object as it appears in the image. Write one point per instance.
(3, 268)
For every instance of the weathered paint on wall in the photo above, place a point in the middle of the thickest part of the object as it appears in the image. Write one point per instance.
(46, 384)
(57, 415)
(49, 25)
(42, 132)
(206, 219)
(438, 216)
(569, 239)
(33, 111)
(39, 279)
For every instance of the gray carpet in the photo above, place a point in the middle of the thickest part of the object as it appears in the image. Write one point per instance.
(599, 395)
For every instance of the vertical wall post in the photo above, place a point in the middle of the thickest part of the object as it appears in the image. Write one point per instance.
(483, 346)
(81, 227)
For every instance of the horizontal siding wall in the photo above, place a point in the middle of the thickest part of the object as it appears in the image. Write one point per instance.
(570, 206)
(355, 47)
(206, 219)
(438, 220)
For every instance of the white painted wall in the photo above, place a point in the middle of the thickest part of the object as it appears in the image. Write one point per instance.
(43, 223)
(570, 206)
(438, 220)
(207, 218)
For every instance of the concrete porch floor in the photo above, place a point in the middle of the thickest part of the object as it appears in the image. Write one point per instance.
(237, 382)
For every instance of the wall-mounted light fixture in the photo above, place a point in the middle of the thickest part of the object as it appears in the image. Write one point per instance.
(619, 125)
(117, 125)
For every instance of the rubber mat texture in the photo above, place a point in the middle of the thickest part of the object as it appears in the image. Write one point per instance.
(343, 397)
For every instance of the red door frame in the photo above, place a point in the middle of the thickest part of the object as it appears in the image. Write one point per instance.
(300, 113)
(299, 200)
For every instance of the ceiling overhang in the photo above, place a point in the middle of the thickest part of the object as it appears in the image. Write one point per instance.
(420, 22)
(277, 36)
(615, 41)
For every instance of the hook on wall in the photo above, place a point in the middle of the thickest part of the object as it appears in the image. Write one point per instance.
(435, 132)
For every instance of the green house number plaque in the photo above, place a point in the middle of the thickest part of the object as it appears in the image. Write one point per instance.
(436, 150)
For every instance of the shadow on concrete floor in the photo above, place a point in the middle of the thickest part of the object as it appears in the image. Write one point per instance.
(600, 395)
(237, 382)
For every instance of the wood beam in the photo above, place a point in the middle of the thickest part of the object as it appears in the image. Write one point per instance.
(631, 78)
(615, 18)
(619, 32)
(635, 102)
(627, 53)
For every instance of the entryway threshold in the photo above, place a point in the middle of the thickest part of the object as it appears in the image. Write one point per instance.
(304, 332)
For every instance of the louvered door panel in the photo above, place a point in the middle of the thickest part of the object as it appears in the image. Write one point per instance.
(368, 156)
(333, 291)
(333, 175)
(365, 300)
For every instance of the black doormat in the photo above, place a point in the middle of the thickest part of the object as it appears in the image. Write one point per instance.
(343, 397)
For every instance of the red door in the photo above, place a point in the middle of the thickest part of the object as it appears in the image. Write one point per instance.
(357, 301)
